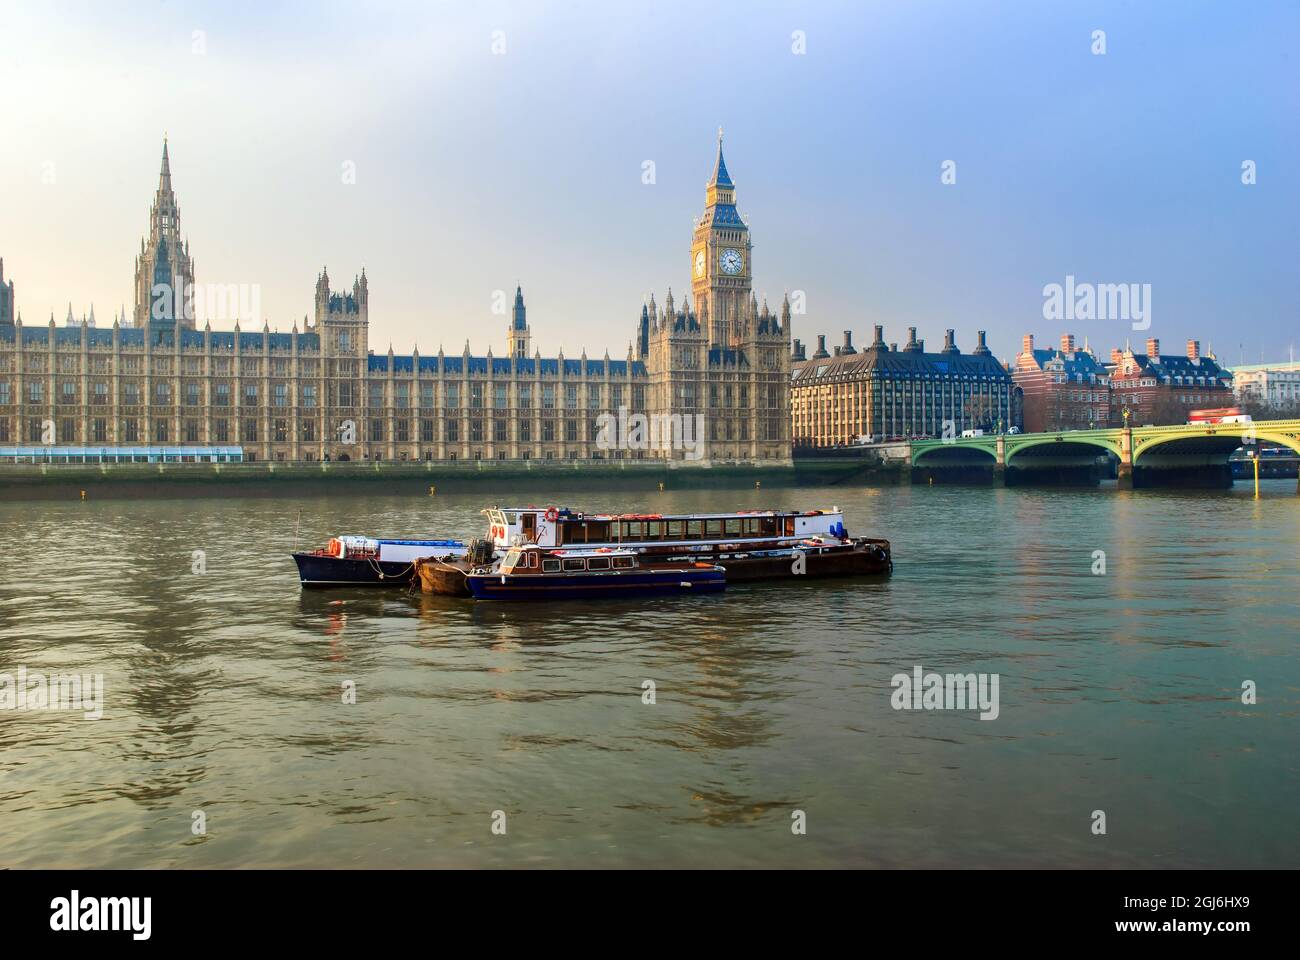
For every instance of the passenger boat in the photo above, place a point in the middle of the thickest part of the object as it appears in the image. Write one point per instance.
(367, 562)
(752, 545)
(535, 573)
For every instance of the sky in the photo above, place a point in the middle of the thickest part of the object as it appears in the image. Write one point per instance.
(503, 143)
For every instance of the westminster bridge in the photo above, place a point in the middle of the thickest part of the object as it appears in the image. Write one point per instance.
(1185, 454)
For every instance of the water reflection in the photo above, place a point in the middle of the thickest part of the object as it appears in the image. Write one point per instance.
(225, 692)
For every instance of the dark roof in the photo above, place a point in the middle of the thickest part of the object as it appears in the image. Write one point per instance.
(727, 357)
(1174, 365)
(1080, 366)
(876, 361)
(723, 214)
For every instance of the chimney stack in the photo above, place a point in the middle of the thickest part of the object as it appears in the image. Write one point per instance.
(981, 348)
(1116, 355)
(880, 336)
(821, 353)
(911, 346)
(950, 341)
(796, 350)
(848, 343)
(1027, 343)
(1067, 343)
(1153, 349)
(1194, 351)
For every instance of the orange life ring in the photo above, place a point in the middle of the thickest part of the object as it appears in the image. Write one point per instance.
(552, 514)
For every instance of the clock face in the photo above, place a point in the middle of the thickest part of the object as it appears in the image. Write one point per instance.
(730, 261)
(699, 264)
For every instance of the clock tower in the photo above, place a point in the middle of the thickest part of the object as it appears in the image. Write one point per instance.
(721, 277)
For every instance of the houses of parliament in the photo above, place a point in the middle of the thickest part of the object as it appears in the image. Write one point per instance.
(155, 380)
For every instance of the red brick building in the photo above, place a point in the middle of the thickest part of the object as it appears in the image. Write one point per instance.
(1161, 388)
(1064, 389)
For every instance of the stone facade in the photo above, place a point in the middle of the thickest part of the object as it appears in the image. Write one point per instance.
(1275, 386)
(321, 393)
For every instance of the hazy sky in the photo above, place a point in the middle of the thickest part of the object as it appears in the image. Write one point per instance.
(476, 170)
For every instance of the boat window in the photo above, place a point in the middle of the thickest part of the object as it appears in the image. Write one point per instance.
(512, 560)
(532, 560)
(598, 531)
(789, 526)
(767, 526)
(511, 518)
(550, 566)
(573, 563)
(598, 563)
(712, 528)
(622, 563)
(733, 526)
(654, 530)
(694, 529)
(676, 529)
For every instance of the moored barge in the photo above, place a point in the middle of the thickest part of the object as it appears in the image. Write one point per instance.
(536, 573)
(752, 545)
(367, 562)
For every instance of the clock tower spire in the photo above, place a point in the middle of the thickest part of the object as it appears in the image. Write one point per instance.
(721, 277)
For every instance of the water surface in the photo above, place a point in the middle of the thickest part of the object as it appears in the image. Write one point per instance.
(1119, 692)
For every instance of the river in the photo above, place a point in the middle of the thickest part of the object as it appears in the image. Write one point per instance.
(225, 740)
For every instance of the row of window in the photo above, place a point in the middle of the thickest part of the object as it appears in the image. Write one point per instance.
(340, 394)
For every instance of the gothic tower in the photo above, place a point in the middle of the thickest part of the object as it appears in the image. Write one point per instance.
(164, 272)
(721, 277)
(6, 296)
(517, 336)
(343, 319)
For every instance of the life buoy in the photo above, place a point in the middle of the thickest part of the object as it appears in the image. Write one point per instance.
(552, 514)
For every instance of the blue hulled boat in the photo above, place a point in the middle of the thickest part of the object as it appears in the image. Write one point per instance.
(536, 573)
(366, 562)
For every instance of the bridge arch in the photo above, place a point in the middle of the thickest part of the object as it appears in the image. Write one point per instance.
(936, 452)
(1016, 446)
(1236, 433)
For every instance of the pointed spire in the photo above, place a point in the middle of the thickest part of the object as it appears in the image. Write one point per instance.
(165, 174)
(720, 176)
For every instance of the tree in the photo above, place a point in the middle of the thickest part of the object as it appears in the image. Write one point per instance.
(1167, 410)
(979, 412)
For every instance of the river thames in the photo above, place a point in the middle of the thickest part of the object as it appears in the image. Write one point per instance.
(1120, 692)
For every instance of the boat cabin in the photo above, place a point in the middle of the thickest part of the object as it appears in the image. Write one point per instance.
(533, 559)
(561, 527)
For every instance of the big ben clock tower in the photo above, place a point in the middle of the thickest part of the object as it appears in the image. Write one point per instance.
(721, 277)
